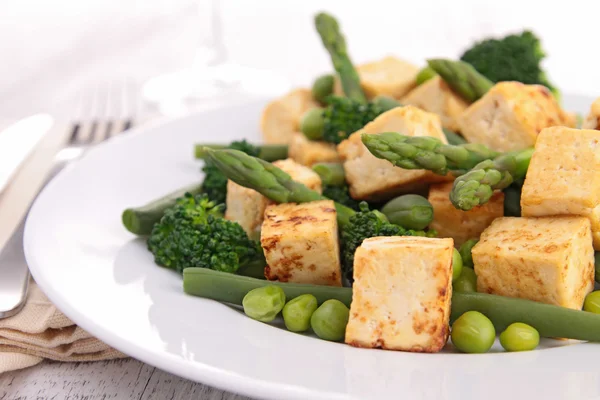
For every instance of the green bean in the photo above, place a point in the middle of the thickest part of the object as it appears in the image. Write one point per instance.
(519, 337)
(141, 220)
(264, 303)
(453, 138)
(332, 174)
(323, 87)
(465, 252)
(456, 265)
(298, 311)
(592, 302)
(473, 332)
(410, 211)
(330, 319)
(466, 282)
(312, 123)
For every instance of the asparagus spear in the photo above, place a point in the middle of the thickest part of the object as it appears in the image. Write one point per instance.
(424, 152)
(268, 152)
(334, 42)
(331, 174)
(462, 78)
(477, 186)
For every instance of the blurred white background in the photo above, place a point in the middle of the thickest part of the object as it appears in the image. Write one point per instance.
(52, 49)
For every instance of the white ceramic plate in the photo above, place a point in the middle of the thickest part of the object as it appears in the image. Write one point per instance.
(105, 280)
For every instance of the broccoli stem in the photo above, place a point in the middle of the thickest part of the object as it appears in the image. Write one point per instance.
(332, 174)
(141, 220)
(268, 152)
(333, 40)
(462, 78)
(268, 180)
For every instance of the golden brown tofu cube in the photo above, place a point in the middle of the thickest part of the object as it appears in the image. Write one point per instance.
(309, 152)
(511, 115)
(401, 294)
(281, 117)
(460, 225)
(592, 120)
(301, 244)
(389, 76)
(436, 96)
(371, 178)
(548, 259)
(564, 176)
(247, 206)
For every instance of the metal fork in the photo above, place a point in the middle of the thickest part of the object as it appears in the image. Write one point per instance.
(109, 111)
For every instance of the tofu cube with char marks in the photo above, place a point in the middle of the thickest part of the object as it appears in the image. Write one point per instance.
(281, 117)
(548, 259)
(309, 152)
(564, 176)
(511, 115)
(247, 206)
(401, 294)
(371, 178)
(436, 96)
(301, 245)
(592, 120)
(460, 225)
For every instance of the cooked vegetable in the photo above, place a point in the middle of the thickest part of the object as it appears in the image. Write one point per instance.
(141, 220)
(473, 332)
(264, 303)
(426, 152)
(462, 78)
(592, 302)
(268, 152)
(597, 266)
(519, 337)
(297, 312)
(453, 137)
(386, 103)
(330, 319)
(333, 40)
(465, 252)
(331, 173)
(344, 116)
(512, 201)
(550, 321)
(312, 124)
(457, 265)
(341, 195)
(410, 211)
(516, 57)
(425, 74)
(466, 282)
(477, 186)
(193, 233)
(323, 87)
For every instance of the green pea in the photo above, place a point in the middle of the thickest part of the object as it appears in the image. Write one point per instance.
(466, 282)
(457, 265)
(424, 75)
(312, 124)
(519, 337)
(597, 265)
(297, 312)
(465, 252)
(323, 87)
(473, 332)
(386, 103)
(264, 303)
(592, 302)
(330, 319)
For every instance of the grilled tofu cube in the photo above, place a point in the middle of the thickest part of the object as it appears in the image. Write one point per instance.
(547, 259)
(461, 225)
(592, 121)
(563, 177)
(247, 206)
(371, 178)
(511, 115)
(389, 76)
(436, 96)
(401, 294)
(301, 243)
(309, 152)
(281, 117)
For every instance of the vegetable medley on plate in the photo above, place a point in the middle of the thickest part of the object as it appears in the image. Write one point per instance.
(397, 207)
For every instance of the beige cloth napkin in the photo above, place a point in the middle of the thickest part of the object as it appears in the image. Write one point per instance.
(40, 331)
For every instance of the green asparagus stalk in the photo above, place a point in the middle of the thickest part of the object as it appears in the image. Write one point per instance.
(333, 40)
(462, 78)
(425, 152)
(332, 174)
(453, 137)
(268, 152)
(476, 187)
(268, 180)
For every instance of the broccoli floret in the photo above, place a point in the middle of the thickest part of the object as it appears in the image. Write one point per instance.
(516, 57)
(193, 233)
(344, 116)
(365, 224)
(215, 183)
(340, 194)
